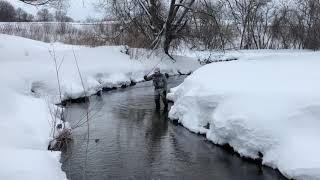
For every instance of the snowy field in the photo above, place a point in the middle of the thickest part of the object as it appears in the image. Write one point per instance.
(29, 87)
(267, 102)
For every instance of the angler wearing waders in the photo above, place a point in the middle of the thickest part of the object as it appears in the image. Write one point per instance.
(160, 87)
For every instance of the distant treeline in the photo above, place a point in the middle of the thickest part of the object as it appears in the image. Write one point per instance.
(220, 24)
(201, 24)
(93, 34)
(10, 14)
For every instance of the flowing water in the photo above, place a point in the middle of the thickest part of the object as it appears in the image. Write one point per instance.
(130, 140)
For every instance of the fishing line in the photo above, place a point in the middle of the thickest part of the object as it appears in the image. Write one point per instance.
(155, 66)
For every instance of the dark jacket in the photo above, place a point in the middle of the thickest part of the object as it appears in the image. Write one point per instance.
(159, 81)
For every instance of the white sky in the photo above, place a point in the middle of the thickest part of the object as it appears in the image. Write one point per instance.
(78, 10)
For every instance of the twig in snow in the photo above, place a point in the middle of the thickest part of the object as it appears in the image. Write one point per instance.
(87, 116)
(53, 55)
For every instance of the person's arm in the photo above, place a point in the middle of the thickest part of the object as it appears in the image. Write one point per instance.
(148, 78)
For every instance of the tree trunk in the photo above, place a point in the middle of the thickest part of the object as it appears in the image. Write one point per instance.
(166, 45)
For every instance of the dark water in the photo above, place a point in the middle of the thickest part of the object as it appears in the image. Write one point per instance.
(130, 140)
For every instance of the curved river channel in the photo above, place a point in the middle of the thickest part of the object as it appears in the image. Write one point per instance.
(129, 139)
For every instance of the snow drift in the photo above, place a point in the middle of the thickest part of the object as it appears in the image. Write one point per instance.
(267, 102)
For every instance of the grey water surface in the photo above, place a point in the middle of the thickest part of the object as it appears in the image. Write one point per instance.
(129, 139)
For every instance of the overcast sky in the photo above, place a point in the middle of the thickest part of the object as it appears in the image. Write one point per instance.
(78, 10)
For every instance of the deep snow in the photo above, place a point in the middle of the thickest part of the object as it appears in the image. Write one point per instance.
(268, 102)
(29, 87)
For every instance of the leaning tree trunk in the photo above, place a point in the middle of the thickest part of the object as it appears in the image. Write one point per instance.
(166, 45)
(175, 23)
(168, 38)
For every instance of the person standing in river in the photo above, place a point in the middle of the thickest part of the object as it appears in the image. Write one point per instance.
(160, 87)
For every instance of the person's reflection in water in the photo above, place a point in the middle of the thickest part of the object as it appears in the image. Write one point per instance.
(155, 133)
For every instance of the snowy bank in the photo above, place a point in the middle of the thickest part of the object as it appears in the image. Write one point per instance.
(25, 132)
(102, 66)
(267, 102)
(29, 87)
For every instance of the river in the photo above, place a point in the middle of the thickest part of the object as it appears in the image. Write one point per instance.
(129, 139)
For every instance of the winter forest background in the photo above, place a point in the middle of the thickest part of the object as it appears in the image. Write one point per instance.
(198, 24)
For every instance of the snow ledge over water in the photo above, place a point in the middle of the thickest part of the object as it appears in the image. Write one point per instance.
(268, 102)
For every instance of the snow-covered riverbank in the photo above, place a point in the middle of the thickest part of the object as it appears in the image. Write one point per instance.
(267, 102)
(29, 87)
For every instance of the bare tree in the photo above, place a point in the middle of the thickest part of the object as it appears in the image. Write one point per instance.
(61, 16)
(23, 16)
(7, 12)
(297, 26)
(247, 14)
(154, 21)
(44, 15)
(310, 11)
(209, 25)
(282, 27)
